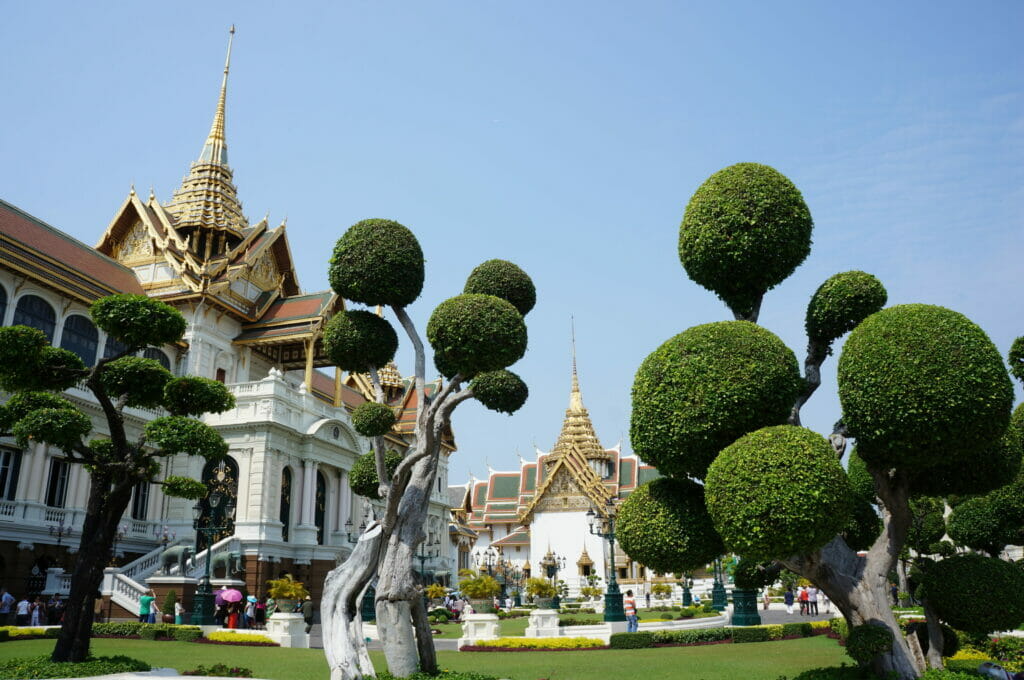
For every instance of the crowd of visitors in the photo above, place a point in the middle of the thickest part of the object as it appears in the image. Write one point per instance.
(30, 612)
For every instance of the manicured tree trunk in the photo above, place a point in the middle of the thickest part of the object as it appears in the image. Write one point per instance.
(106, 506)
(344, 644)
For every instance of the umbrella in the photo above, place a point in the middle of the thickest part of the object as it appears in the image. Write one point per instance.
(232, 595)
(218, 597)
(251, 598)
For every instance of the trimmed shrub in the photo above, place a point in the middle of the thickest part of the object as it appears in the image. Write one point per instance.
(631, 640)
(907, 370)
(476, 333)
(745, 230)
(239, 638)
(220, 670)
(505, 280)
(179, 434)
(186, 633)
(777, 492)
(137, 320)
(60, 427)
(797, 630)
(774, 631)
(843, 672)
(355, 340)
(119, 629)
(377, 262)
(372, 419)
(704, 388)
(963, 588)
(665, 525)
(363, 477)
(839, 628)
(193, 396)
(842, 302)
(542, 643)
(42, 667)
(143, 380)
(863, 527)
(867, 641)
(694, 636)
(501, 391)
(750, 634)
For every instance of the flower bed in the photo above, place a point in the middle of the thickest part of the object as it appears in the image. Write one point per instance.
(534, 644)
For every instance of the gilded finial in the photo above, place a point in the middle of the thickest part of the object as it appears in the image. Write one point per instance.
(575, 398)
(152, 194)
(215, 150)
(131, 191)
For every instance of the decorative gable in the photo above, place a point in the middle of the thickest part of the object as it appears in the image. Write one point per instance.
(136, 245)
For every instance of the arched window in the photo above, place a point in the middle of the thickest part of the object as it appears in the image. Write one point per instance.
(57, 486)
(3, 305)
(113, 347)
(320, 509)
(34, 311)
(222, 476)
(10, 466)
(81, 337)
(285, 513)
(159, 355)
(140, 500)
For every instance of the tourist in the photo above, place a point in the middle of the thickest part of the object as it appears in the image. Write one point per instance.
(37, 612)
(249, 620)
(271, 606)
(802, 597)
(145, 604)
(765, 600)
(179, 612)
(632, 623)
(894, 591)
(647, 597)
(787, 597)
(696, 600)
(261, 613)
(24, 607)
(812, 601)
(307, 613)
(6, 607)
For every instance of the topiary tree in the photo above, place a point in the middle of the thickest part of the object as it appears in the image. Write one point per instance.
(475, 336)
(34, 372)
(923, 391)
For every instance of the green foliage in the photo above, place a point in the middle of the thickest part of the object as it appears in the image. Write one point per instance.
(358, 340)
(505, 280)
(194, 396)
(797, 630)
(138, 321)
(836, 673)
(502, 391)
(974, 593)
(184, 487)
(978, 524)
(691, 637)
(372, 419)
(27, 362)
(862, 484)
(169, 600)
(631, 640)
(377, 262)
(705, 387)
(23, 403)
(664, 524)
(750, 634)
(928, 523)
(42, 667)
(477, 333)
(842, 302)
(477, 586)
(921, 384)
(864, 526)
(744, 231)
(1016, 359)
(777, 492)
(178, 434)
(286, 588)
(751, 575)
(536, 587)
(363, 477)
(17, 343)
(141, 381)
(220, 670)
(60, 427)
(867, 641)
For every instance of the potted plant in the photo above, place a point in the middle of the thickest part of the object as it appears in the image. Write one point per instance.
(168, 607)
(542, 591)
(286, 591)
(435, 591)
(480, 589)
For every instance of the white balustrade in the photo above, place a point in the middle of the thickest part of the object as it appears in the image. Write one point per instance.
(8, 509)
(54, 515)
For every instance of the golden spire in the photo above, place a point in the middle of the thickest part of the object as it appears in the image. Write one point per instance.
(577, 430)
(215, 150)
(575, 398)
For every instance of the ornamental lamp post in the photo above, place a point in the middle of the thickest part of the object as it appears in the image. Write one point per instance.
(718, 596)
(613, 609)
(551, 564)
(687, 596)
(221, 507)
(119, 534)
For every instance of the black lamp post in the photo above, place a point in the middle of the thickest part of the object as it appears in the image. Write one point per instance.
(687, 595)
(551, 564)
(613, 609)
(368, 607)
(221, 507)
(122, 531)
(513, 576)
(719, 600)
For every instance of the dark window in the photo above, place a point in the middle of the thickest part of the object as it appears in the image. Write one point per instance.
(81, 337)
(320, 509)
(159, 355)
(222, 375)
(10, 466)
(113, 347)
(57, 487)
(285, 512)
(140, 500)
(34, 311)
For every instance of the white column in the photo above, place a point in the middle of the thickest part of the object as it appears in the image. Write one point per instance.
(344, 500)
(308, 490)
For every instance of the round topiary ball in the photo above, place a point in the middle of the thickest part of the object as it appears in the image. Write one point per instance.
(356, 340)
(141, 380)
(974, 593)
(867, 641)
(377, 262)
(977, 524)
(842, 302)
(751, 574)
(502, 391)
(705, 387)
(476, 333)
(920, 385)
(862, 484)
(864, 526)
(778, 492)
(363, 476)
(506, 280)
(137, 320)
(372, 419)
(744, 231)
(664, 525)
(1016, 358)
(193, 396)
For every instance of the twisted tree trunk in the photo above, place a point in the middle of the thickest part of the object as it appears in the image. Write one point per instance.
(344, 644)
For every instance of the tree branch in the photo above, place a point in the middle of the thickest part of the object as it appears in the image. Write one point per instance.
(443, 393)
(755, 311)
(816, 355)
(417, 344)
(893, 490)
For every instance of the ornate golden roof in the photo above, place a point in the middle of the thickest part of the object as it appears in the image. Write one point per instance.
(389, 376)
(577, 430)
(206, 208)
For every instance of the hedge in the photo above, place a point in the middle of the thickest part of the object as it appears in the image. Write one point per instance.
(42, 667)
(703, 636)
(631, 640)
(750, 634)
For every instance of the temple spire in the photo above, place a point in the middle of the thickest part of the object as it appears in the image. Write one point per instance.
(215, 150)
(577, 430)
(575, 397)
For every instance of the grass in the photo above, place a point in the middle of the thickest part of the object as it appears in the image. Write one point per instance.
(758, 661)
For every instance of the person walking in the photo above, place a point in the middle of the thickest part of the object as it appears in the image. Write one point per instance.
(307, 613)
(7, 602)
(179, 612)
(802, 597)
(24, 609)
(812, 601)
(261, 613)
(647, 599)
(629, 604)
(37, 612)
(145, 603)
(787, 597)
(766, 600)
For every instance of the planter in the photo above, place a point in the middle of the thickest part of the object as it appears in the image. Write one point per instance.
(168, 618)
(545, 603)
(482, 606)
(285, 606)
(744, 607)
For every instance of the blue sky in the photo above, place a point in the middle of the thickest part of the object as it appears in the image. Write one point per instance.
(566, 137)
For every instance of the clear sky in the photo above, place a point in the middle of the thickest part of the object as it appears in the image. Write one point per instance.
(566, 137)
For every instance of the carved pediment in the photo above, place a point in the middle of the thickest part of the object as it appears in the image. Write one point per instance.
(136, 245)
(264, 271)
(562, 494)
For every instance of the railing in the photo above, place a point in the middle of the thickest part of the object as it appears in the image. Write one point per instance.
(196, 567)
(8, 508)
(54, 515)
(144, 567)
(127, 593)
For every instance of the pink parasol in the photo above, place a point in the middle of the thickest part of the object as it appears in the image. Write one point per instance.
(232, 595)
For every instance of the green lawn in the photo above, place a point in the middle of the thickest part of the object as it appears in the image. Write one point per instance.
(758, 661)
